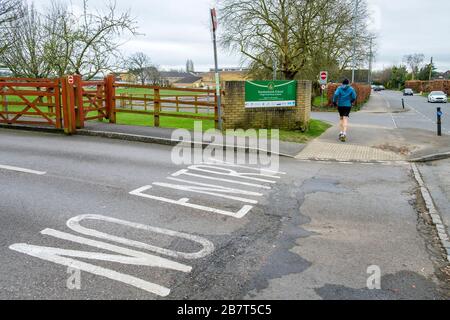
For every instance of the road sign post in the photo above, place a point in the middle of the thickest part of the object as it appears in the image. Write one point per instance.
(439, 121)
(216, 65)
(323, 88)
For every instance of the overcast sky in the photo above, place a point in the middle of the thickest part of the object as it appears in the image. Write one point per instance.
(177, 30)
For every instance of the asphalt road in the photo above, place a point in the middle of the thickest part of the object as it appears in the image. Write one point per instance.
(109, 209)
(424, 115)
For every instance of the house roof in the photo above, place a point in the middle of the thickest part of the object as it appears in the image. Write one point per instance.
(189, 79)
(175, 74)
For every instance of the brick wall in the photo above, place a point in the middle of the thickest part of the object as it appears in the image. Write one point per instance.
(236, 116)
(428, 86)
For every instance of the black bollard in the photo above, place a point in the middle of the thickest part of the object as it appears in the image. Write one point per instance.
(403, 103)
(439, 121)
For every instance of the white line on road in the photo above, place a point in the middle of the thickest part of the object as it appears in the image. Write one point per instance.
(389, 107)
(23, 170)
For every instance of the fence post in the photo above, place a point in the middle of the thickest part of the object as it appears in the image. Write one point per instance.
(79, 112)
(157, 107)
(57, 94)
(68, 102)
(178, 103)
(5, 103)
(110, 96)
(196, 104)
(145, 102)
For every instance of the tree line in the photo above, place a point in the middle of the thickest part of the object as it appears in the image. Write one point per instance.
(59, 41)
(412, 68)
(297, 38)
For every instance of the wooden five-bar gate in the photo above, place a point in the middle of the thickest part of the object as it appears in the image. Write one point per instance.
(68, 103)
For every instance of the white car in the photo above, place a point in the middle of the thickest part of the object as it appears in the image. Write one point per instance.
(437, 96)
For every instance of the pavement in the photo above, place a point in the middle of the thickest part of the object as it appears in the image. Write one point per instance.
(384, 131)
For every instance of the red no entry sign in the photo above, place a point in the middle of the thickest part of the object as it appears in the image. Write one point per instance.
(323, 77)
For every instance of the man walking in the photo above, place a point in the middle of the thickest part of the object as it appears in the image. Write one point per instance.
(344, 98)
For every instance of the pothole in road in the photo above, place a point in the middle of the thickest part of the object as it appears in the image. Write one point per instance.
(403, 150)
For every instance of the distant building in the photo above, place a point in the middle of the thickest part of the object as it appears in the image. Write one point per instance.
(209, 78)
(174, 76)
(231, 69)
(189, 82)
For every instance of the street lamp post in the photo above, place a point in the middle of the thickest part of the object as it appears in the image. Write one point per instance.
(354, 38)
(216, 68)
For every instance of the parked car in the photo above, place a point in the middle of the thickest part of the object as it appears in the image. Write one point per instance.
(377, 88)
(408, 92)
(382, 88)
(437, 96)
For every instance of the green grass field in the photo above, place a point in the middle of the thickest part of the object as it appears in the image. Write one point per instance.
(316, 127)
(141, 91)
(317, 102)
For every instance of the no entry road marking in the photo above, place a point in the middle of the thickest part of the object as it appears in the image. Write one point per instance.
(23, 170)
(122, 255)
(220, 173)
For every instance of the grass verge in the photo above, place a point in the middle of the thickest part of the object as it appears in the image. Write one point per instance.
(316, 128)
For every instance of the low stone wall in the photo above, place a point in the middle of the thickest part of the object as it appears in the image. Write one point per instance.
(236, 116)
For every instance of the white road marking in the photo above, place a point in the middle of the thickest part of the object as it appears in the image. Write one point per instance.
(389, 107)
(44, 254)
(23, 170)
(187, 173)
(208, 247)
(212, 191)
(123, 256)
(232, 173)
(243, 167)
(185, 202)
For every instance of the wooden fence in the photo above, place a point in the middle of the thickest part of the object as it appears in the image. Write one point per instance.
(69, 102)
(164, 102)
(30, 101)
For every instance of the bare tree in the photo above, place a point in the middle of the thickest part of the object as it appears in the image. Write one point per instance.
(300, 34)
(138, 65)
(9, 12)
(62, 42)
(414, 61)
(25, 56)
(190, 66)
(154, 76)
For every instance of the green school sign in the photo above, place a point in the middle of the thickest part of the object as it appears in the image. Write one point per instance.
(270, 94)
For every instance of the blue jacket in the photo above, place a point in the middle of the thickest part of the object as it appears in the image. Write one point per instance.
(344, 96)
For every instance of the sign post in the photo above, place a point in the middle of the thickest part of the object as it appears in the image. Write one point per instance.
(323, 80)
(439, 121)
(216, 66)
